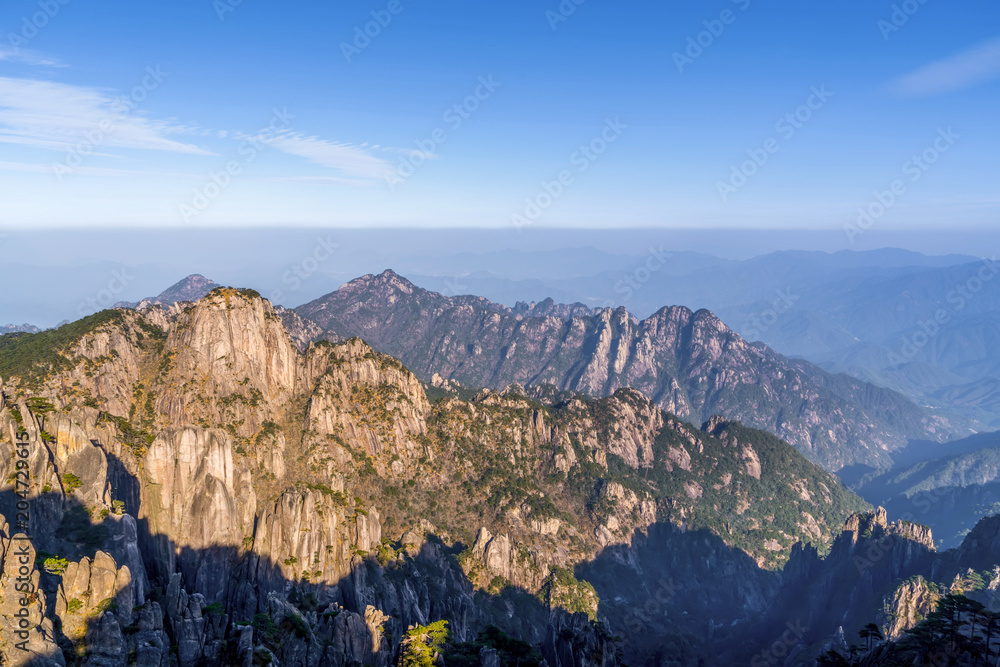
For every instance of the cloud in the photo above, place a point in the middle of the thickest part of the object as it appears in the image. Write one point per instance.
(35, 168)
(963, 70)
(324, 180)
(29, 57)
(353, 161)
(57, 116)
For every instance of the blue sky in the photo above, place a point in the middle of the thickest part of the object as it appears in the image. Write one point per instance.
(132, 113)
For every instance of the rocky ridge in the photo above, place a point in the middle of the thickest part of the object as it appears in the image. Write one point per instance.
(689, 363)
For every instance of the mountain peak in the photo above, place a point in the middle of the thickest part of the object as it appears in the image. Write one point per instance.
(387, 279)
(192, 288)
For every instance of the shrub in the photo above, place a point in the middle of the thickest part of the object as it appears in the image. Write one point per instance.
(265, 628)
(298, 625)
(71, 482)
(216, 609)
(55, 565)
(422, 643)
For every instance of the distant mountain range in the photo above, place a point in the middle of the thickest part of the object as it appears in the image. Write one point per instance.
(690, 363)
(18, 328)
(860, 313)
(926, 326)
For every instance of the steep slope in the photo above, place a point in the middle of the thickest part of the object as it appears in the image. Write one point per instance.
(950, 494)
(690, 363)
(201, 491)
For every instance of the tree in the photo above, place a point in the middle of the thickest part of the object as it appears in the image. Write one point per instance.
(422, 644)
(870, 633)
(991, 622)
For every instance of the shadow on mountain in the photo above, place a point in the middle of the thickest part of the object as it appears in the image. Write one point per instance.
(676, 596)
(358, 620)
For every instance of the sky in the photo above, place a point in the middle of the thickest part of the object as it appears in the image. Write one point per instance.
(585, 113)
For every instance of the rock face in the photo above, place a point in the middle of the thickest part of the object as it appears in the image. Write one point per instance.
(202, 491)
(688, 362)
(909, 604)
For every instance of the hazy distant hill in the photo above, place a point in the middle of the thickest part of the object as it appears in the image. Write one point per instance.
(852, 312)
(15, 328)
(192, 288)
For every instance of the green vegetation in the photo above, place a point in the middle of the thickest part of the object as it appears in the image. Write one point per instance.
(137, 439)
(35, 357)
(422, 644)
(562, 589)
(71, 482)
(107, 604)
(266, 630)
(55, 565)
(297, 625)
(74, 605)
(214, 609)
(39, 405)
(510, 651)
(386, 553)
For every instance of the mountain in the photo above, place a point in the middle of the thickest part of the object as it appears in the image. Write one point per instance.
(689, 363)
(850, 312)
(18, 328)
(200, 490)
(950, 493)
(191, 288)
(930, 333)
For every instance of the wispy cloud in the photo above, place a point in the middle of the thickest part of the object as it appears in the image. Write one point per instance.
(28, 57)
(57, 116)
(963, 70)
(34, 168)
(324, 180)
(352, 161)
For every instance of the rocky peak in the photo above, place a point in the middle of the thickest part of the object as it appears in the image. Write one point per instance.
(192, 288)
(387, 281)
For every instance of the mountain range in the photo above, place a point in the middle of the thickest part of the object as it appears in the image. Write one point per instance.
(688, 362)
(202, 490)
